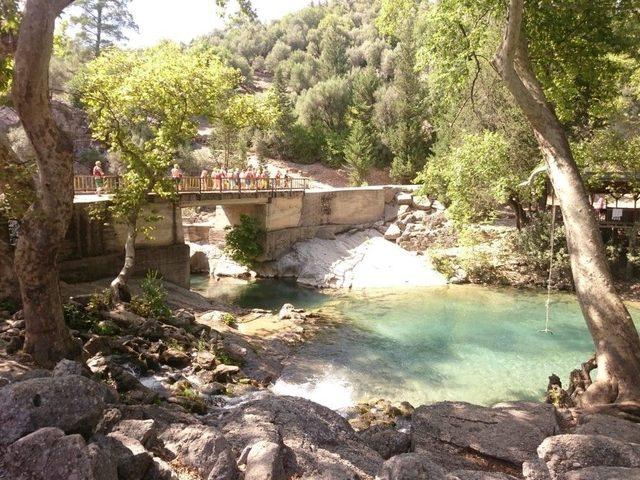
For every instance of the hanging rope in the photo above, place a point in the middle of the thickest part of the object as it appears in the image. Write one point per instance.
(552, 248)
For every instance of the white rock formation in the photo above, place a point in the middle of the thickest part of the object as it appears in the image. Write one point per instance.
(354, 260)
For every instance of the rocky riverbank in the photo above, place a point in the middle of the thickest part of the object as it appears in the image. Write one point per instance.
(185, 397)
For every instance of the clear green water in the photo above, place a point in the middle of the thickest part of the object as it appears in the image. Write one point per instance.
(424, 345)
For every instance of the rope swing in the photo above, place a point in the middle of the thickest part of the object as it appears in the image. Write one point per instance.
(552, 248)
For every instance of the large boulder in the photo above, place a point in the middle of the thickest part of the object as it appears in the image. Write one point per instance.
(316, 438)
(609, 426)
(567, 453)
(461, 435)
(199, 262)
(386, 440)
(411, 466)
(49, 454)
(265, 461)
(393, 232)
(132, 459)
(479, 475)
(604, 473)
(71, 403)
(202, 448)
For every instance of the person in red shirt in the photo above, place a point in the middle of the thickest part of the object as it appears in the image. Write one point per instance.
(98, 176)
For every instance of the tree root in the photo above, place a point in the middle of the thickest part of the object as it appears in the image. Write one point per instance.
(598, 398)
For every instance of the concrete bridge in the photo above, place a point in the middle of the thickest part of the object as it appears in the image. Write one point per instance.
(288, 214)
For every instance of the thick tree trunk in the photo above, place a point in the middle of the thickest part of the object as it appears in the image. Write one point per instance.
(119, 287)
(614, 334)
(45, 223)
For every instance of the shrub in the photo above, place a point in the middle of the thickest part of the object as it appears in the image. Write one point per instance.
(228, 319)
(534, 243)
(100, 301)
(444, 264)
(153, 301)
(244, 242)
(78, 318)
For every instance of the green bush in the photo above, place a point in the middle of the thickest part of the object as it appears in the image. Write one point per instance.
(228, 319)
(533, 242)
(444, 264)
(153, 301)
(101, 301)
(244, 242)
(78, 318)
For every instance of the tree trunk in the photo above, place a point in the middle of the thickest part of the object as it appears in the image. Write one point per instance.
(615, 337)
(45, 223)
(119, 286)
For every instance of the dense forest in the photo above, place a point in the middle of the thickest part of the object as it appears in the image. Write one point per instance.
(340, 83)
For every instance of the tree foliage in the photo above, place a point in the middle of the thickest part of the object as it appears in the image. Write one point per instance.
(143, 106)
(244, 242)
(102, 23)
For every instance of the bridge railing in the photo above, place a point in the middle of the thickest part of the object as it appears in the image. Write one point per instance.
(86, 184)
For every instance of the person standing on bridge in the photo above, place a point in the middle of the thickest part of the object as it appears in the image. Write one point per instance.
(204, 179)
(98, 176)
(176, 175)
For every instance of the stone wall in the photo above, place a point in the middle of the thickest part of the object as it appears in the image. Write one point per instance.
(171, 262)
(321, 214)
(94, 249)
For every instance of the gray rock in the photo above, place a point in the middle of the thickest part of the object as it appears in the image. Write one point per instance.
(509, 433)
(317, 438)
(131, 458)
(411, 466)
(73, 404)
(202, 448)
(66, 367)
(421, 202)
(604, 473)
(175, 358)
(393, 232)
(565, 453)
(265, 461)
(478, 475)
(404, 199)
(213, 388)
(160, 470)
(224, 372)
(199, 263)
(48, 454)
(287, 311)
(535, 470)
(386, 440)
(609, 426)
(104, 465)
(144, 431)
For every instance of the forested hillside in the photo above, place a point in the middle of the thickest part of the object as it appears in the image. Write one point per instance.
(348, 93)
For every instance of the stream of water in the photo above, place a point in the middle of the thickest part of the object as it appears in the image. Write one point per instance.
(466, 343)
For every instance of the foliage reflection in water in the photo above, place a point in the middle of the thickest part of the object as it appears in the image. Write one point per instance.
(424, 345)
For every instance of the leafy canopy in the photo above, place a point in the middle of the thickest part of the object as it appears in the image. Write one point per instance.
(143, 106)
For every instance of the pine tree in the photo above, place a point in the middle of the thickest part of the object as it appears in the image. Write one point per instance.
(279, 139)
(102, 23)
(406, 138)
(359, 152)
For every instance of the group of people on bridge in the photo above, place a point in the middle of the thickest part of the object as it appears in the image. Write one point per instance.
(249, 178)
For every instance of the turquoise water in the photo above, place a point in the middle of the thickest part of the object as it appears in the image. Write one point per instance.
(424, 345)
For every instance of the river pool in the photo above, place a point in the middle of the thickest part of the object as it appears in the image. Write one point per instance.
(467, 343)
